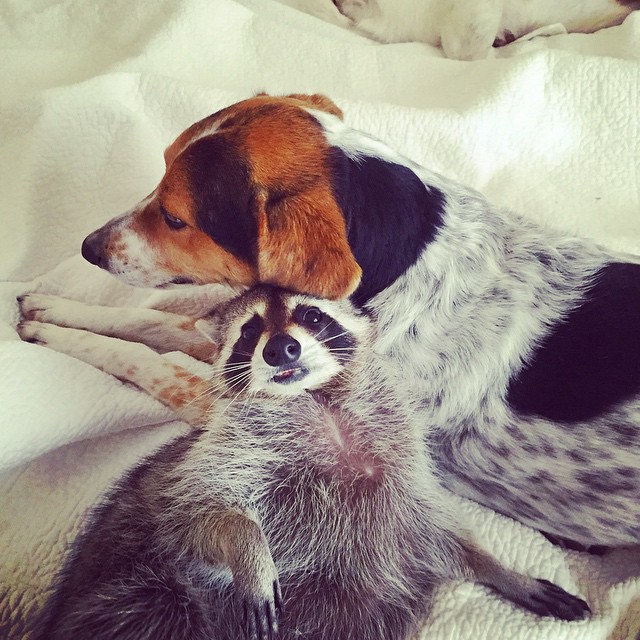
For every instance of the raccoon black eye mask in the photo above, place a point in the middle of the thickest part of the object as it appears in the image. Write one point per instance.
(522, 344)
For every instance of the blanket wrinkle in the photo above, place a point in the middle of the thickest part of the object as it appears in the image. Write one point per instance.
(94, 92)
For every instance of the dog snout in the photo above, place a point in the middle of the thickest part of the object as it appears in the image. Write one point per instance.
(93, 248)
(281, 349)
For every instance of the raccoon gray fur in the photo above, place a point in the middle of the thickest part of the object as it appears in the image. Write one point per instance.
(306, 508)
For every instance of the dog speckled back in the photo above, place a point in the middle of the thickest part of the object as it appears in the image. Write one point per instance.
(310, 505)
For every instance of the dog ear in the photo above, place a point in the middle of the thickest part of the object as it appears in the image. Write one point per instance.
(318, 101)
(303, 246)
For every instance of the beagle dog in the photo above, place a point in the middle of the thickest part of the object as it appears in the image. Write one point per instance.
(520, 345)
(467, 30)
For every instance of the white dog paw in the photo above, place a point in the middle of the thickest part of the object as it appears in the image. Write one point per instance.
(45, 308)
(37, 332)
(62, 339)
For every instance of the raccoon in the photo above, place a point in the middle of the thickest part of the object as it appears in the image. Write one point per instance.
(307, 507)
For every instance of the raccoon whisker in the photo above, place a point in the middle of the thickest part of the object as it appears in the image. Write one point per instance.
(238, 375)
(329, 324)
(339, 335)
(235, 398)
(248, 404)
(231, 380)
(221, 390)
(229, 385)
(209, 391)
(319, 334)
(220, 382)
(245, 353)
(224, 377)
(234, 365)
(222, 386)
(198, 397)
(222, 369)
(319, 344)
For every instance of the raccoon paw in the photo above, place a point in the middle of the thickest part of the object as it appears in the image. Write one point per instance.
(259, 613)
(549, 599)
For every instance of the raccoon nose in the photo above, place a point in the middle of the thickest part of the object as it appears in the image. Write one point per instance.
(281, 349)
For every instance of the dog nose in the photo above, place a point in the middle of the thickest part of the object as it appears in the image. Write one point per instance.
(281, 349)
(93, 248)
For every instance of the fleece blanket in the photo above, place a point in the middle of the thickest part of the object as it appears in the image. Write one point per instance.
(94, 91)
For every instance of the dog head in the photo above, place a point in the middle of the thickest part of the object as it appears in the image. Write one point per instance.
(241, 191)
(273, 190)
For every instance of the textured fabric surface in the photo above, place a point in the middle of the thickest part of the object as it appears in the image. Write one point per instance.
(94, 91)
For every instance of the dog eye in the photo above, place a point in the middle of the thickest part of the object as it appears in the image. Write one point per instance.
(312, 316)
(248, 332)
(172, 222)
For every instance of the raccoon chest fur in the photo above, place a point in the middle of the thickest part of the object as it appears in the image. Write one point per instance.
(333, 500)
(340, 452)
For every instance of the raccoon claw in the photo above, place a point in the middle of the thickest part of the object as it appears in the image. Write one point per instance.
(552, 600)
(277, 596)
(260, 615)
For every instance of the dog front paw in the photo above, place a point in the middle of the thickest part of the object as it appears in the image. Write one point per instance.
(62, 339)
(45, 308)
(35, 332)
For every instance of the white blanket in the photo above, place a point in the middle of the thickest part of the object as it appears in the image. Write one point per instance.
(92, 92)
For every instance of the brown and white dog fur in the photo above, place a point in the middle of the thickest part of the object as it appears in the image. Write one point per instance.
(467, 30)
(306, 507)
(522, 344)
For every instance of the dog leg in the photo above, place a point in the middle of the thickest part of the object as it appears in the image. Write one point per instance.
(539, 596)
(176, 387)
(160, 330)
(468, 29)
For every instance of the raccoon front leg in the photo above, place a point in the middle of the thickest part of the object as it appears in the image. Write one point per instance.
(240, 544)
(539, 596)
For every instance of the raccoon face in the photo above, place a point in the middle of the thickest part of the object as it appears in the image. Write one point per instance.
(282, 343)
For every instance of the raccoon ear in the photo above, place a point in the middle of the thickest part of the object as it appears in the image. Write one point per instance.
(303, 246)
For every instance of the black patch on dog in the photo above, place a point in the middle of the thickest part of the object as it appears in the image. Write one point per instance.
(390, 217)
(223, 197)
(590, 361)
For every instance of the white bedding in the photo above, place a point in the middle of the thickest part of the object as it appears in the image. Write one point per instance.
(94, 91)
